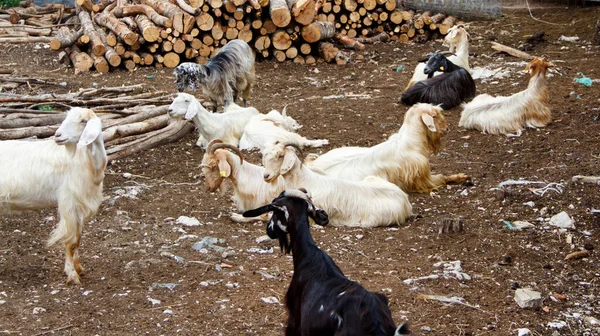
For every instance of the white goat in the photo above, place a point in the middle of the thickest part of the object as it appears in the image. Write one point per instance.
(67, 172)
(250, 190)
(403, 159)
(457, 42)
(503, 115)
(227, 126)
(263, 131)
(368, 203)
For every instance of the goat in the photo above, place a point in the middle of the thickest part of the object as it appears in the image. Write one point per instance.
(503, 115)
(250, 190)
(227, 126)
(457, 40)
(263, 131)
(67, 172)
(368, 203)
(228, 73)
(403, 159)
(320, 299)
(449, 89)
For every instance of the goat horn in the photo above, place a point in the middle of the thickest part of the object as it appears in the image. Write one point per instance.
(295, 145)
(228, 146)
(211, 144)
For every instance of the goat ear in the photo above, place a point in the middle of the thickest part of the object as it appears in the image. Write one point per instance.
(402, 330)
(93, 129)
(258, 211)
(191, 112)
(288, 162)
(224, 167)
(428, 121)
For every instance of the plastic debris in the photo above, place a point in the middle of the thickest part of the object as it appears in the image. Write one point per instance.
(520, 225)
(259, 250)
(508, 225)
(523, 332)
(399, 68)
(270, 300)
(153, 301)
(449, 300)
(527, 298)
(150, 76)
(169, 286)
(562, 220)
(557, 324)
(187, 221)
(585, 81)
(206, 242)
(569, 38)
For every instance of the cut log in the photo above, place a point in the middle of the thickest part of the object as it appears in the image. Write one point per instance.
(80, 60)
(269, 27)
(120, 29)
(111, 55)
(381, 37)
(328, 51)
(390, 5)
(396, 17)
(511, 51)
(310, 59)
(111, 39)
(349, 42)
(65, 37)
(179, 46)
(291, 53)
(305, 48)
(262, 43)
(148, 125)
(98, 47)
(149, 31)
(303, 11)
(171, 60)
(245, 35)
(408, 15)
(133, 10)
(186, 7)
(53, 119)
(205, 22)
(280, 13)
(255, 4)
(317, 31)
(446, 25)
(299, 60)
(100, 64)
(27, 132)
(350, 5)
(369, 5)
(279, 55)
(231, 33)
(169, 10)
(281, 40)
(86, 4)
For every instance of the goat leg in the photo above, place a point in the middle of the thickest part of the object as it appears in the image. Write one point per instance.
(72, 276)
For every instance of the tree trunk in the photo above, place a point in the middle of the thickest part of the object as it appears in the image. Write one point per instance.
(65, 37)
(317, 31)
(171, 60)
(281, 40)
(303, 11)
(205, 22)
(280, 13)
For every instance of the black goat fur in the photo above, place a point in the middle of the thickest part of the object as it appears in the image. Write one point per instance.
(451, 88)
(321, 301)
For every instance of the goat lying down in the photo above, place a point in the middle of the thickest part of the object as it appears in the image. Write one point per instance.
(227, 126)
(67, 172)
(250, 190)
(263, 131)
(228, 73)
(403, 159)
(457, 40)
(454, 86)
(367, 203)
(503, 115)
(320, 299)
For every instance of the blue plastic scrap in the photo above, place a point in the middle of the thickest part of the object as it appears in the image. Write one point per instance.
(508, 225)
(583, 80)
(400, 68)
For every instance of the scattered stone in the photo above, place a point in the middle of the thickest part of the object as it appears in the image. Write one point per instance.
(529, 204)
(262, 239)
(523, 332)
(506, 260)
(54, 292)
(588, 246)
(413, 280)
(169, 286)
(520, 225)
(527, 298)
(562, 220)
(168, 312)
(557, 324)
(171, 255)
(210, 283)
(206, 242)
(38, 310)
(514, 285)
(426, 329)
(87, 292)
(270, 300)
(259, 250)
(187, 221)
(2, 302)
(591, 321)
(578, 255)
(359, 237)
(153, 301)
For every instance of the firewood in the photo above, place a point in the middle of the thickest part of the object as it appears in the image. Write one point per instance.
(279, 55)
(369, 4)
(317, 31)
(100, 64)
(145, 126)
(231, 33)
(381, 37)
(27, 132)
(446, 24)
(403, 38)
(119, 48)
(349, 42)
(121, 30)
(350, 5)
(171, 60)
(390, 5)
(262, 43)
(280, 13)
(167, 46)
(179, 46)
(133, 10)
(65, 37)
(305, 48)
(281, 40)
(309, 59)
(186, 7)
(169, 10)
(147, 58)
(328, 51)
(291, 53)
(129, 65)
(205, 22)
(245, 35)
(80, 60)
(255, 4)
(217, 31)
(511, 51)
(98, 47)
(26, 39)
(303, 11)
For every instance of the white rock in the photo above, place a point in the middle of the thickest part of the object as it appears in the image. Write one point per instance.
(527, 298)
(529, 204)
(523, 332)
(562, 220)
(263, 239)
(54, 292)
(168, 311)
(270, 300)
(187, 221)
(520, 225)
(557, 324)
(38, 310)
(2, 302)
(591, 321)
(153, 301)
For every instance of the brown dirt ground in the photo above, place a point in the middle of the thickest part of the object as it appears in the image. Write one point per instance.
(122, 246)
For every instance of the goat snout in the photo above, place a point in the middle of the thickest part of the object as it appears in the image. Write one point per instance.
(268, 177)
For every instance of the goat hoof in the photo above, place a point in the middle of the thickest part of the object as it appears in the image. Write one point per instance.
(79, 269)
(73, 279)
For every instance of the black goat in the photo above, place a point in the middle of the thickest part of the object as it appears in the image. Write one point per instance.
(449, 89)
(321, 301)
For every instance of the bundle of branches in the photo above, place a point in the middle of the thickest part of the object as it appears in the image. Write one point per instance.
(28, 22)
(133, 120)
(167, 32)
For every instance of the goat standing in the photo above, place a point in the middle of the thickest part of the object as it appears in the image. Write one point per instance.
(228, 73)
(449, 89)
(67, 172)
(503, 115)
(320, 299)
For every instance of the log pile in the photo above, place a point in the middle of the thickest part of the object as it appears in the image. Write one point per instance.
(30, 22)
(133, 120)
(164, 33)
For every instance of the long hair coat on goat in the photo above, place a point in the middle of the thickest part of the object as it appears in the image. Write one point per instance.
(503, 115)
(229, 73)
(449, 89)
(320, 299)
(67, 172)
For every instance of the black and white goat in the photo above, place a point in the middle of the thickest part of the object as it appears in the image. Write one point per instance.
(320, 299)
(228, 73)
(449, 89)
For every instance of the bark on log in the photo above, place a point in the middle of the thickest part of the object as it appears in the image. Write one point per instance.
(53, 119)
(133, 10)
(317, 31)
(145, 126)
(98, 47)
(303, 11)
(111, 55)
(87, 4)
(121, 30)
(186, 7)
(381, 37)
(511, 51)
(65, 37)
(80, 60)
(328, 51)
(280, 13)
(348, 42)
(100, 64)
(169, 10)
(149, 31)
(21, 133)
(446, 24)
(146, 113)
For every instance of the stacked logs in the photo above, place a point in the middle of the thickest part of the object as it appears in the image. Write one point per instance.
(30, 22)
(133, 119)
(164, 33)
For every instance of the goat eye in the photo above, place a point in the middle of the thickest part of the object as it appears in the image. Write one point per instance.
(83, 121)
(187, 100)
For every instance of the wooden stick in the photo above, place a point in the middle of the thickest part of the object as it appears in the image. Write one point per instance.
(511, 51)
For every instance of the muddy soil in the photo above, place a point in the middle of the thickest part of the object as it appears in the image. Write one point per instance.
(129, 247)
